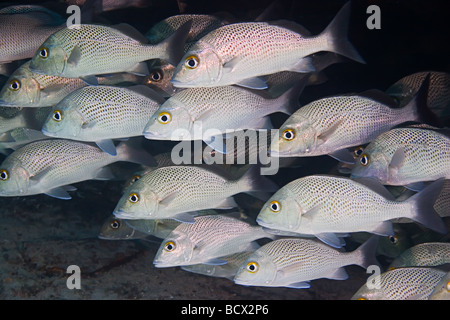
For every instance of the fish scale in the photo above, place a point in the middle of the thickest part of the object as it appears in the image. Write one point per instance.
(426, 149)
(403, 284)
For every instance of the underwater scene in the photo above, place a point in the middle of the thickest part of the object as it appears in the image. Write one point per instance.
(224, 150)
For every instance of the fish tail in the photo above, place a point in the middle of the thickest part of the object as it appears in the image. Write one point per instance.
(423, 211)
(366, 253)
(257, 185)
(419, 105)
(131, 151)
(337, 37)
(173, 46)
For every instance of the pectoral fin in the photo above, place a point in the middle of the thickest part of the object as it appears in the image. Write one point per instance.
(75, 56)
(107, 145)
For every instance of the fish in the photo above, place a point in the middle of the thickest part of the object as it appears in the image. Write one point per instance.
(202, 24)
(102, 113)
(294, 262)
(330, 125)
(158, 79)
(406, 156)
(26, 27)
(158, 195)
(239, 53)
(90, 50)
(415, 283)
(25, 88)
(208, 113)
(326, 206)
(227, 270)
(438, 97)
(206, 240)
(118, 229)
(427, 254)
(442, 289)
(50, 166)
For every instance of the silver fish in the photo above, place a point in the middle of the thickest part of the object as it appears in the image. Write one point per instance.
(207, 239)
(324, 206)
(428, 254)
(330, 125)
(442, 289)
(208, 113)
(89, 50)
(25, 88)
(102, 113)
(402, 284)
(158, 195)
(240, 52)
(24, 29)
(406, 156)
(49, 166)
(293, 262)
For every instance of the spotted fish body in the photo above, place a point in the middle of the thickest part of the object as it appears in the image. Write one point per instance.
(423, 255)
(207, 239)
(442, 289)
(25, 88)
(24, 29)
(325, 205)
(95, 49)
(237, 52)
(328, 125)
(404, 156)
(99, 113)
(157, 194)
(402, 284)
(292, 262)
(195, 108)
(47, 166)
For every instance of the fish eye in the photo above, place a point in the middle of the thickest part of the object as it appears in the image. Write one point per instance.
(393, 239)
(275, 206)
(164, 117)
(288, 134)
(133, 197)
(135, 178)
(252, 267)
(364, 160)
(14, 85)
(191, 62)
(169, 246)
(156, 76)
(358, 151)
(448, 286)
(4, 175)
(57, 115)
(115, 224)
(43, 53)
(361, 299)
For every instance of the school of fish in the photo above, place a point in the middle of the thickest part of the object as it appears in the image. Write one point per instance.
(83, 97)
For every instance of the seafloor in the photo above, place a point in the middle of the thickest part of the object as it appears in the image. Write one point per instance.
(41, 236)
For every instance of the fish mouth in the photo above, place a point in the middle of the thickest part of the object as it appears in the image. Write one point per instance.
(276, 153)
(153, 135)
(161, 264)
(48, 133)
(264, 224)
(181, 84)
(124, 215)
(5, 103)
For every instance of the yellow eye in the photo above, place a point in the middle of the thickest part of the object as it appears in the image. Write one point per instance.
(361, 299)
(43, 53)
(448, 286)
(191, 62)
(288, 134)
(164, 118)
(169, 246)
(135, 178)
(275, 206)
(364, 160)
(133, 197)
(14, 85)
(115, 224)
(57, 115)
(252, 267)
(4, 175)
(358, 151)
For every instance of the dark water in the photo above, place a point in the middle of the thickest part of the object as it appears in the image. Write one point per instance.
(41, 236)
